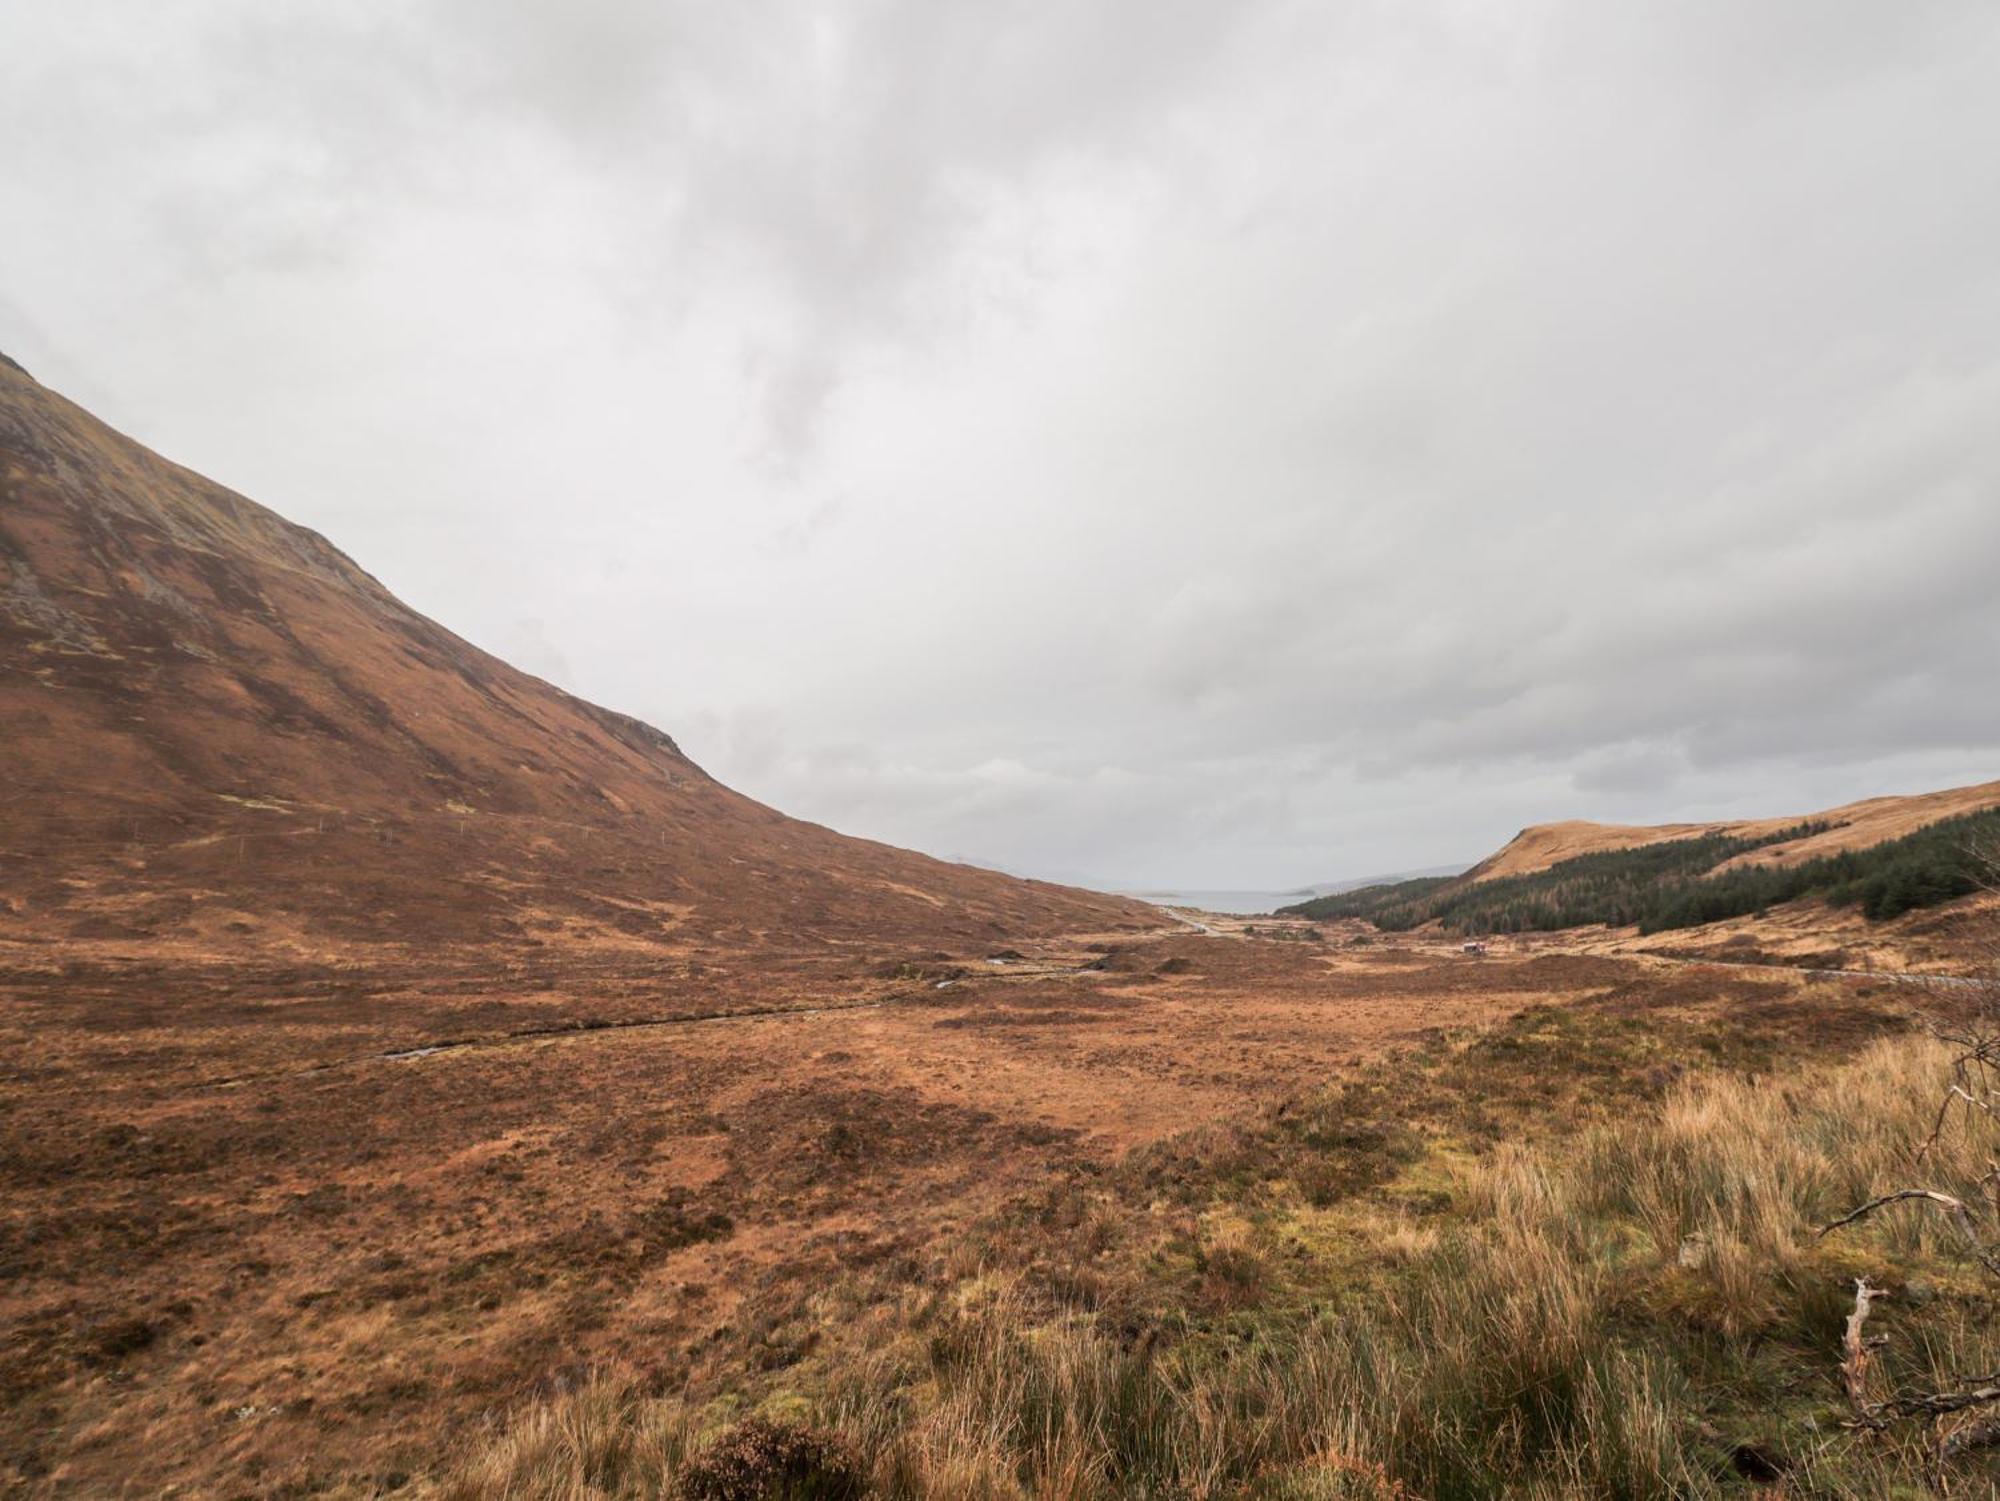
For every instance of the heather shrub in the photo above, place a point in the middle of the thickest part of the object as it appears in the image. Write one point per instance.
(760, 1460)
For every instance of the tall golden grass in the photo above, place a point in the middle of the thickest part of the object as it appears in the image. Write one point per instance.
(1575, 1328)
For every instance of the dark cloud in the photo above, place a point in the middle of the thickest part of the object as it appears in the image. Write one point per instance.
(1220, 444)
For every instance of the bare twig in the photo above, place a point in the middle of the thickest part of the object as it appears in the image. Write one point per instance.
(1956, 1092)
(1937, 1126)
(1960, 1216)
(1956, 1206)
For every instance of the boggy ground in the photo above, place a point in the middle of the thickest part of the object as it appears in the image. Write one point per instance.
(247, 1252)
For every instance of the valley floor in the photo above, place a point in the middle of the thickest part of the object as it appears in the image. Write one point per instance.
(313, 1228)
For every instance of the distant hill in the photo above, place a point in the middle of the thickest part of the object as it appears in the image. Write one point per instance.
(1885, 855)
(1851, 826)
(214, 724)
(1335, 888)
(1251, 901)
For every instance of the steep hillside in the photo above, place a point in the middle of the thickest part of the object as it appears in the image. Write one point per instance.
(1852, 826)
(1541, 845)
(215, 721)
(1883, 857)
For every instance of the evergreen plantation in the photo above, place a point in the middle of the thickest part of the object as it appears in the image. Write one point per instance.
(1676, 883)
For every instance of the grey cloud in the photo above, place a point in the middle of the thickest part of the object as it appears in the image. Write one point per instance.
(1632, 768)
(846, 153)
(1238, 444)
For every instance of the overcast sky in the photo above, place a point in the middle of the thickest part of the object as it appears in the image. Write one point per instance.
(1236, 443)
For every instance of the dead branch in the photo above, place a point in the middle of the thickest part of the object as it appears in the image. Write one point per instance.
(1937, 1126)
(1944, 1109)
(1854, 1369)
(1937, 1404)
(1960, 1216)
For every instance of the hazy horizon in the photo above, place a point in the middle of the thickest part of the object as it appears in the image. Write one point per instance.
(1204, 447)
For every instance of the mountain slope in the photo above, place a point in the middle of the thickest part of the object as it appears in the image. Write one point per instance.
(1884, 856)
(1851, 826)
(208, 709)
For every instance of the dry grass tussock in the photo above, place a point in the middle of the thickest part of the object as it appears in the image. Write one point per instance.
(596, 1440)
(1643, 1313)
